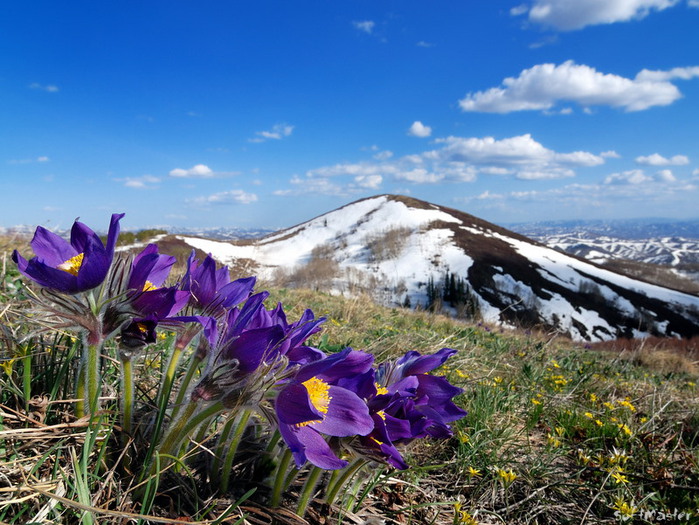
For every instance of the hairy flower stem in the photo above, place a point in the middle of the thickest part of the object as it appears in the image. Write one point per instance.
(189, 419)
(128, 396)
(340, 478)
(279, 478)
(80, 391)
(91, 363)
(194, 364)
(308, 490)
(240, 426)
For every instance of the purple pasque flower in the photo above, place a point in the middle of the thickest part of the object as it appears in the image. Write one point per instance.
(211, 289)
(251, 351)
(313, 405)
(70, 267)
(149, 298)
(406, 404)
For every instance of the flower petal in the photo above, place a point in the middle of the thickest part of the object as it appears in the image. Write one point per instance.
(347, 415)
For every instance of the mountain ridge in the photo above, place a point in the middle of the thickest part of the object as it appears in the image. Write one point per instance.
(398, 247)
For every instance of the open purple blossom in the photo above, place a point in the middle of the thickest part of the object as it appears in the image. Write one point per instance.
(313, 406)
(407, 403)
(70, 267)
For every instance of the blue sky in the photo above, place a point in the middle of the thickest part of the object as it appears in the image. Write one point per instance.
(266, 114)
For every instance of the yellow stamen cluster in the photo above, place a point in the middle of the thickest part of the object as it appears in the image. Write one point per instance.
(148, 286)
(380, 390)
(72, 265)
(318, 394)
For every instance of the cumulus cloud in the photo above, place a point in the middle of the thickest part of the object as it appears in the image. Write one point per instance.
(628, 177)
(418, 129)
(666, 176)
(658, 160)
(566, 15)
(372, 182)
(49, 88)
(541, 87)
(520, 151)
(224, 198)
(278, 132)
(610, 155)
(366, 26)
(455, 160)
(143, 182)
(198, 171)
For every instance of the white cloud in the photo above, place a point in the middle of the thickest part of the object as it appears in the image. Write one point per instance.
(418, 129)
(520, 151)
(628, 177)
(366, 26)
(198, 171)
(658, 160)
(666, 176)
(50, 88)
(143, 182)
(543, 86)
(383, 155)
(567, 15)
(610, 155)
(422, 43)
(225, 197)
(682, 73)
(693, 3)
(456, 160)
(278, 132)
(372, 182)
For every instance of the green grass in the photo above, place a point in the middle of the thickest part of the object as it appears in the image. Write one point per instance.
(556, 432)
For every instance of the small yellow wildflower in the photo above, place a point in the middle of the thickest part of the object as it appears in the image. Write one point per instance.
(473, 472)
(619, 478)
(599, 423)
(643, 419)
(589, 415)
(559, 431)
(535, 401)
(463, 437)
(618, 457)
(593, 397)
(627, 404)
(497, 380)
(583, 458)
(553, 441)
(507, 476)
(625, 510)
(608, 405)
(463, 517)
(625, 429)
(6, 365)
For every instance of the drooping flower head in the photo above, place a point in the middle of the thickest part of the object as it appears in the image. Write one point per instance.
(149, 298)
(70, 267)
(253, 350)
(211, 290)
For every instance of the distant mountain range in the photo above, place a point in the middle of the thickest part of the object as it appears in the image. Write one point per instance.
(409, 252)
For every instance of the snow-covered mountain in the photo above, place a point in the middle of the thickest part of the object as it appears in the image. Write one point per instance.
(408, 251)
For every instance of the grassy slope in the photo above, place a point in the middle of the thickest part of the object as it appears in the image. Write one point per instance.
(555, 432)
